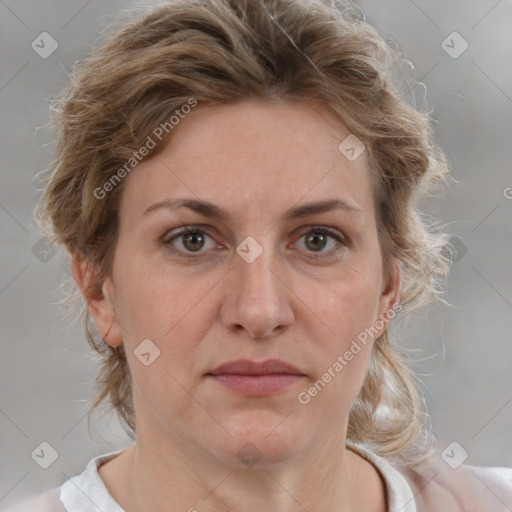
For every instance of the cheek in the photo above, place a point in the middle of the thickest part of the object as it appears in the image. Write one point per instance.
(347, 308)
(346, 305)
(152, 296)
(176, 315)
(157, 303)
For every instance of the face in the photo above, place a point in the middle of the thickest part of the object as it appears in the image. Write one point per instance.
(282, 263)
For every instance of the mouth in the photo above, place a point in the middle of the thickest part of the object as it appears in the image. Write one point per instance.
(256, 378)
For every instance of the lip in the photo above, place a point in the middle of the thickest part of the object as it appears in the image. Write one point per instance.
(253, 378)
(247, 367)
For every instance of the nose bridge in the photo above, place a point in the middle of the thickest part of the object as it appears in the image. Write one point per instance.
(257, 275)
(259, 301)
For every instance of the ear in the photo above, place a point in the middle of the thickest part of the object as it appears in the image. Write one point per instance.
(99, 297)
(389, 300)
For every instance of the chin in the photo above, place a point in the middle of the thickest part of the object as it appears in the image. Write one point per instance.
(262, 438)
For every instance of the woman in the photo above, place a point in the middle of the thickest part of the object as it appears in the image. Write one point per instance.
(235, 183)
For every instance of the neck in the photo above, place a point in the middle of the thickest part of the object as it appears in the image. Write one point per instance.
(175, 477)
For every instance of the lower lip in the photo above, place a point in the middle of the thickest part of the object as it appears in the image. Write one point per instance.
(257, 385)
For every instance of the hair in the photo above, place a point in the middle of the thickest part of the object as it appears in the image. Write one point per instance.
(220, 52)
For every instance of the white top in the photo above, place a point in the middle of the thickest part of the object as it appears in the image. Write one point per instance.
(82, 493)
(430, 487)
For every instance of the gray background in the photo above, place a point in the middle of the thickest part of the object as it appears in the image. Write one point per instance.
(465, 349)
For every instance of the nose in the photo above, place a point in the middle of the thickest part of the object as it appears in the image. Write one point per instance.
(258, 299)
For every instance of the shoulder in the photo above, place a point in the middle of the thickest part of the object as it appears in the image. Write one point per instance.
(436, 486)
(76, 493)
(46, 502)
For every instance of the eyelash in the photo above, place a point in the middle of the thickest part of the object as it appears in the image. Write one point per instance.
(312, 229)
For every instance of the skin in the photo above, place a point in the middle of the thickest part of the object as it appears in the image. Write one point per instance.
(203, 311)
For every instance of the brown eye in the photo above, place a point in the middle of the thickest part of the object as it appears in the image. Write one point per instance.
(321, 242)
(316, 241)
(189, 242)
(193, 241)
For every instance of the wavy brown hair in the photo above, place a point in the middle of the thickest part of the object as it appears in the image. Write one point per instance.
(219, 52)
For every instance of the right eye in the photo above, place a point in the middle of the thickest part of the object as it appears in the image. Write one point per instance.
(188, 242)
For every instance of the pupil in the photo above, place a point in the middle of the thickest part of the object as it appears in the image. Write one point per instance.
(314, 239)
(193, 241)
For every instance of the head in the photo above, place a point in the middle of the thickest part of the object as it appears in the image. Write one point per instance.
(252, 107)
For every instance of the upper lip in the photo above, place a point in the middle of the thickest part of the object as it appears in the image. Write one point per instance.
(247, 367)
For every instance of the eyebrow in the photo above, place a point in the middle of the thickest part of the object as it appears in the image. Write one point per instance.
(207, 209)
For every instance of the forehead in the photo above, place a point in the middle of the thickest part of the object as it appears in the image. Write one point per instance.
(252, 158)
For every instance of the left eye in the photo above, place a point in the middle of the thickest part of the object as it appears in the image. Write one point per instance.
(321, 241)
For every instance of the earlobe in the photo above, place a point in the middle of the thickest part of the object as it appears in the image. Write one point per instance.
(389, 302)
(99, 298)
